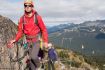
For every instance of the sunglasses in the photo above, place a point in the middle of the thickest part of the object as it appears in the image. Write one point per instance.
(28, 6)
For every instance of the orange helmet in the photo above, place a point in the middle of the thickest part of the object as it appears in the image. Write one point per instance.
(29, 2)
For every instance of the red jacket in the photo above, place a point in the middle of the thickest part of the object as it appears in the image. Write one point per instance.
(30, 28)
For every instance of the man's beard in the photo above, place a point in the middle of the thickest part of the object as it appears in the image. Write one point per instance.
(28, 12)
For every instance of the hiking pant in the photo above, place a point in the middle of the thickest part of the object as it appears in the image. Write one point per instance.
(33, 55)
(51, 65)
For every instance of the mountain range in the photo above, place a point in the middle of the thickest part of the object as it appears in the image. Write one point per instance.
(87, 38)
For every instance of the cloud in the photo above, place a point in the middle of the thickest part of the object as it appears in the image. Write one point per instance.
(75, 11)
(58, 11)
(10, 9)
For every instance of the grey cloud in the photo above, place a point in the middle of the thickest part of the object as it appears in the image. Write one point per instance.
(54, 11)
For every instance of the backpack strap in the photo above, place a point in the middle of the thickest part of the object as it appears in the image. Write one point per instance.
(23, 22)
(36, 19)
(36, 22)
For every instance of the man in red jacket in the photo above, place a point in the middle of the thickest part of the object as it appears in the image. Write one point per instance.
(31, 30)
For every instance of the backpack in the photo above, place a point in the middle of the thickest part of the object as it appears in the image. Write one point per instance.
(52, 54)
(41, 53)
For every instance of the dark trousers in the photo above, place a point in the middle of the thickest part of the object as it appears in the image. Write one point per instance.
(33, 56)
(51, 65)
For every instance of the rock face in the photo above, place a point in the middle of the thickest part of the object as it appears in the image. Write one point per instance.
(7, 31)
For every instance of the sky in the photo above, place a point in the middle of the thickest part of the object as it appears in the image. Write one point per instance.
(56, 12)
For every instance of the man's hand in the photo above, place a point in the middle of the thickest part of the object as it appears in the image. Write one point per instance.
(45, 45)
(45, 48)
(10, 44)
